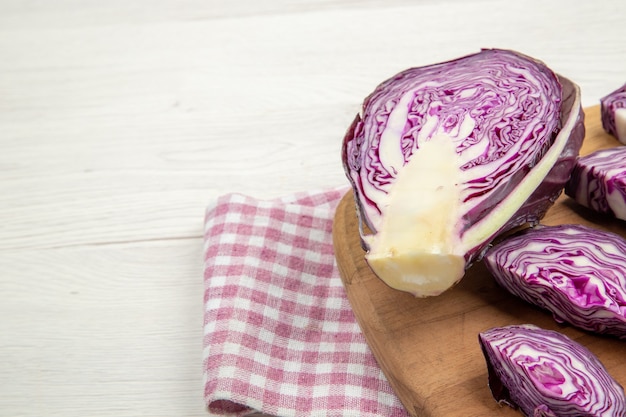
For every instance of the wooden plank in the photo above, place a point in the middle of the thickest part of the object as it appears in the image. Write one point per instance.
(102, 330)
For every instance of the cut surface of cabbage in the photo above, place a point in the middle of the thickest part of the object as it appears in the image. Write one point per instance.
(444, 158)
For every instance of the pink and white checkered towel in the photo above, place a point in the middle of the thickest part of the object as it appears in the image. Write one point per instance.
(280, 337)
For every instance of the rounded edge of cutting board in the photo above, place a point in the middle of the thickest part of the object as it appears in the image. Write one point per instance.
(428, 347)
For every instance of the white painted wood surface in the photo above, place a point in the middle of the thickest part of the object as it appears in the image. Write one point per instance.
(121, 120)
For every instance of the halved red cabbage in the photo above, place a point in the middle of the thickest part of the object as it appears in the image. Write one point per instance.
(444, 158)
(546, 374)
(598, 181)
(576, 272)
(613, 113)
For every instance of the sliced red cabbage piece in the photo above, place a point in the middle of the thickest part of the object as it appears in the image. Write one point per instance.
(598, 181)
(546, 374)
(613, 113)
(576, 272)
(444, 158)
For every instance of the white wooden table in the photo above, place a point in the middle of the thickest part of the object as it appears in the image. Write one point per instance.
(121, 120)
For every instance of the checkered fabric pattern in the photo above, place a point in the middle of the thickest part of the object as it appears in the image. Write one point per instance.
(279, 334)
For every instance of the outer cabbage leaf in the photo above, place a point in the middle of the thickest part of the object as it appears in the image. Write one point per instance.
(598, 181)
(578, 273)
(546, 374)
(613, 113)
(444, 158)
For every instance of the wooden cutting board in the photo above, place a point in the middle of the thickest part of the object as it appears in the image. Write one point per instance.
(428, 348)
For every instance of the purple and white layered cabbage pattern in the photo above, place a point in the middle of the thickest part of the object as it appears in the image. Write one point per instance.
(501, 108)
(613, 113)
(598, 181)
(576, 272)
(546, 374)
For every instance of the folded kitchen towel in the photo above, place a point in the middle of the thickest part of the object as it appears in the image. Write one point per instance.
(280, 337)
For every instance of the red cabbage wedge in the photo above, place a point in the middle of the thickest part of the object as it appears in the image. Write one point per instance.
(613, 113)
(598, 181)
(444, 158)
(576, 272)
(546, 374)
